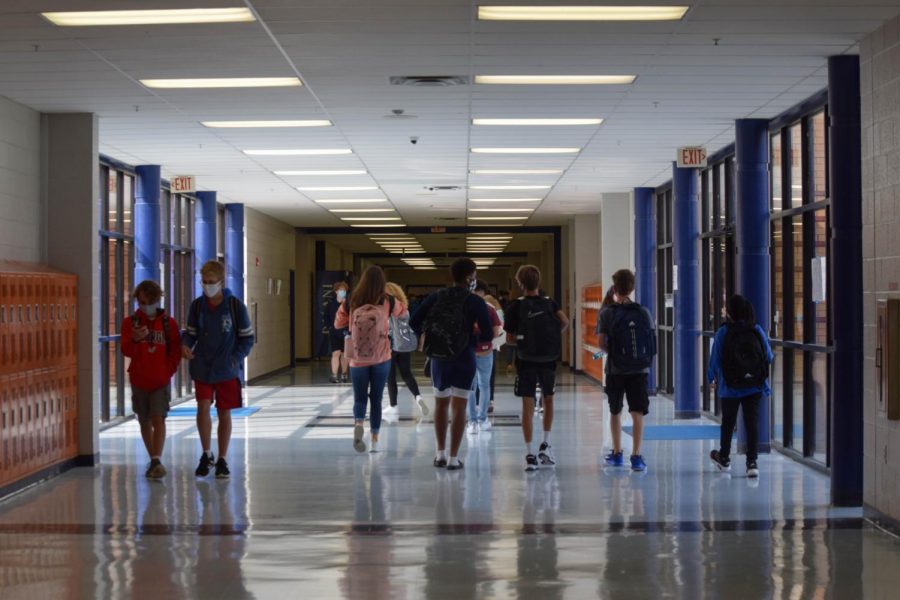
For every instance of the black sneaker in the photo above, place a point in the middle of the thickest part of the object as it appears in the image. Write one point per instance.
(531, 462)
(205, 462)
(440, 463)
(545, 455)
(333, 379)
(752, 469)
(455, 466)
(722, 463)
(491, 408)
(222, 471)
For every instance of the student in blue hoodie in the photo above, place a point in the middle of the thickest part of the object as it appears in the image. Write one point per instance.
(739, 367)
(219, 337)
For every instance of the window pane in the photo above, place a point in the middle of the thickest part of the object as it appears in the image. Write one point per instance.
(776, 172)
(777, 330)
(669, 216)
(821, 251)
(720, 197)
(820, 164)
(796, 166)
(186, 221)
(777, 384)
(127, 205)
(706, 218)
(820, 406)
(797, 408)
(113, 312)
(729, 192)
(113, 205)
(798, 272)
(165, 225)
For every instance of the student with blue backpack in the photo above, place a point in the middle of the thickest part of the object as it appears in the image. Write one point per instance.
(739, 367)
(627, 335)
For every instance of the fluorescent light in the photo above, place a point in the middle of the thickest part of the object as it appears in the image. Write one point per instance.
(526, 150)
(351, 201)
(361, 210)
(581, 13)
(516, 171)
(501, 210)
(510, 187)
(379, 225)
(149, 17)
(424, 268)
(529, 122)
(497, 218)
(555, 79)
(505, 199)
(363, 188)
(221, 82)
(299, 152)
(262, 124)
(371, 219)
(317, 173)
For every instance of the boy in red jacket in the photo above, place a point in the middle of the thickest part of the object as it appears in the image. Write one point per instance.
(151, 339)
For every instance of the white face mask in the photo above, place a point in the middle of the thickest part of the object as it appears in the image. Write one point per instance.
(212, 289)
(150, 309)
(473, 284)
(341, 294)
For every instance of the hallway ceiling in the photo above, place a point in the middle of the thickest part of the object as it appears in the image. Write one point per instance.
(726, 59)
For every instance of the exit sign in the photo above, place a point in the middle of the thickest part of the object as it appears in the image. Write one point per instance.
(691, 157)
(182, 184)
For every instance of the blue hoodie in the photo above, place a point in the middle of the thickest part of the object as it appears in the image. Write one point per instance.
(715, 373)
(219, 345)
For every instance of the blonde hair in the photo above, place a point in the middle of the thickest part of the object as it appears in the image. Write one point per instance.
(492, 301)
(397, 292)
(213, 268)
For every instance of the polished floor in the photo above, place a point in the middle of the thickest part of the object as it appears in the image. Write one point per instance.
(303, 515)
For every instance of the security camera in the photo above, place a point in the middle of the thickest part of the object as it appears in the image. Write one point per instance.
(414, 140)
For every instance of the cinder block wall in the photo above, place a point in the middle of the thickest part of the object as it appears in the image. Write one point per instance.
(21, 211)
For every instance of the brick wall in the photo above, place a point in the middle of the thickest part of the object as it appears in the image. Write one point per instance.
(21, 214)
(880, 90)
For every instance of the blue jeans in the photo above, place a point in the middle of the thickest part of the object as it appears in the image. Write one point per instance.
(484, 366)
(368, 386)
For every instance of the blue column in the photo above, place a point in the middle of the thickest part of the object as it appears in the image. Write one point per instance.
(846, 268)
(645, 257)
(204, 234)
(753, 279)
(234, 249)
(146, 223)
(686, 251)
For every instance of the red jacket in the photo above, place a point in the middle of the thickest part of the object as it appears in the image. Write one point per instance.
(152, 364)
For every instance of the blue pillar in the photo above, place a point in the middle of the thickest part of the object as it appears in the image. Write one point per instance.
(686, 251)
(204, 234)
(645, 257)
(234, 249)
(753, 279)
(146, 223)
(846, 268)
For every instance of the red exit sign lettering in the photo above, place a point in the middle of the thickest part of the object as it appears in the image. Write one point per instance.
(691, 157)
(182, 184)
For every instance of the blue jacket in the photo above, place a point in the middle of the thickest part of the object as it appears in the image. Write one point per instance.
(220, 346)
(715, 373)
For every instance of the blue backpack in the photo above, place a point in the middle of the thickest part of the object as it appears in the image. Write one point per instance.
(632, 338)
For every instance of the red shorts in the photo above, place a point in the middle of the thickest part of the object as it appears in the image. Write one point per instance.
(224, 394)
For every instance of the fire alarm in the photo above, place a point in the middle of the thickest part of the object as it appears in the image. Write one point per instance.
(257, 261)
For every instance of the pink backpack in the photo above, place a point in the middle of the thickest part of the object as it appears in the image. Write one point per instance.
(369, 342)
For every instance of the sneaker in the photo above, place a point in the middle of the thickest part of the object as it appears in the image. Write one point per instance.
(615, 459)
(222, 471)
(486, 425)
(358, 444)
(422, 405)
(156, 470)
(343, 379)
(531, 462)
(752, 469)
(334, 379)
(491, 408)
(391, 414)
(545, 455)
(538, 406)
(637, 463)
(722, 463)
(439, 462)
(373, 448)
(472, 428)
(455, 464)
(206, 460)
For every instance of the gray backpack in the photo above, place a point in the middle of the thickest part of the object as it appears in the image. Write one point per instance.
(403, 338)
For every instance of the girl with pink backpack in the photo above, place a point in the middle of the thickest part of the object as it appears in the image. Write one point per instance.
(369, 349)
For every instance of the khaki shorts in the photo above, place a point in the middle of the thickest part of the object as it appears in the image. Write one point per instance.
(150, 403)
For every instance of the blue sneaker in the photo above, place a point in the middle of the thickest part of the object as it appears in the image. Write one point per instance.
(637, 463)
(615, 459)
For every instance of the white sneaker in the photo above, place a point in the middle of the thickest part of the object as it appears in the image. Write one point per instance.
(422, 405)
(391, 414)
(373, 447)
(472, 428)
(486, 425)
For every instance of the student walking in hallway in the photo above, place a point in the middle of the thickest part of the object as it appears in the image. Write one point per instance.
(479, 396)
(402, 359)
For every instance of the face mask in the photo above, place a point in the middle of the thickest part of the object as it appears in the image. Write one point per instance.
(341, 294)
(150, 309)
(473, 284)
(211, 289)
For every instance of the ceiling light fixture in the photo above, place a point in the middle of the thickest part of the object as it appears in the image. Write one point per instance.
(526, 150)
(536, 122)
(371, 219)
(299, 152)
(555, 79)
(149, 17)
(505, 199)
(516, 171)
(510, 187)
(497, 218)
(379, 225)
(363, 188)
(265, 124)
(361, 210)
(322, 173)
(581, 13)
(221, 82)
(351, 201)
(518, 210)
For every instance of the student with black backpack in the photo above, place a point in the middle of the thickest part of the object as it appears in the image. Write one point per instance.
(739, 367)
(535, 323)
(627, 335)
(447, 319)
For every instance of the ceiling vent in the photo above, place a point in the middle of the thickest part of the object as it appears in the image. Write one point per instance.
(447, 218)
(443, 188)
(399, 113)
(430, 80)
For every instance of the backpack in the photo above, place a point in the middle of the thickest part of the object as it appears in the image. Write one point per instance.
(745, 362)
(232, 305)
(369, 334)
(403, 338)
(631, 339)
(445, 329)
(538, 335)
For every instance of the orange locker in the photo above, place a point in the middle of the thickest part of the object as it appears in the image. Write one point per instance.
(591, 302)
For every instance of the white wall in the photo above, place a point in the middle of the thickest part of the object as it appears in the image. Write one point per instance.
(616, 235)
(585, 256)
(272, 242)
(21, 206)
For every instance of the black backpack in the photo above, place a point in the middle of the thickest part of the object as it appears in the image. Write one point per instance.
(745, 362)
(445, 330)
(538, 335)
(631, 339)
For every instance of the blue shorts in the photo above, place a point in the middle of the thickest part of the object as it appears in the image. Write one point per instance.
(453, 377)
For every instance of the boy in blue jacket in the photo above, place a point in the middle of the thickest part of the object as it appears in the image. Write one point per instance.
(219, 337)
(739, 366)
